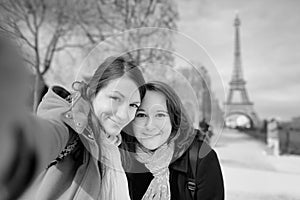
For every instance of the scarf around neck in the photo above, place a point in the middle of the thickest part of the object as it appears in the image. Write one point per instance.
(114, 184)
(158, 164)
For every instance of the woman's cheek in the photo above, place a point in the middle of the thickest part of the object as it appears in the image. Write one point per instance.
(137, 130)
(132, 115)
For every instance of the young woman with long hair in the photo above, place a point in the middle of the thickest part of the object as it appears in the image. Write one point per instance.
(69, 150)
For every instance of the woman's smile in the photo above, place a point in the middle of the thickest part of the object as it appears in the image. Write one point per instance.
(149, 135)
(116, 122)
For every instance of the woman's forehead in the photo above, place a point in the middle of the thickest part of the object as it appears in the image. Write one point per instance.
(124, 86)
(154, 100)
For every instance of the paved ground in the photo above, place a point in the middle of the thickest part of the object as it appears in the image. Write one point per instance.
(249, 174)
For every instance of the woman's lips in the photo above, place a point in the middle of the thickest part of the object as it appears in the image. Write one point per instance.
(148, 136)
(115, 122)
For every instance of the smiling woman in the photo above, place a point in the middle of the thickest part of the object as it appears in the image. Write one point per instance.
(152, 125)
(165, 151)
(116, 104)
(80, 133)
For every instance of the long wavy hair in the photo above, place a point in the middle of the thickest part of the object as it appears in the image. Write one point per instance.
(111, 69)
(182, 132)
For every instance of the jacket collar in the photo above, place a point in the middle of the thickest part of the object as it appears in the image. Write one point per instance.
(76, 115)
(181, 164)
(74, 112)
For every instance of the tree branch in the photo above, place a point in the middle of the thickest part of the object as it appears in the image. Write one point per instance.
(21, 35)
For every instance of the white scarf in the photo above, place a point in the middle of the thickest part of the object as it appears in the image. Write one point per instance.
(114, 183)
(158, 164)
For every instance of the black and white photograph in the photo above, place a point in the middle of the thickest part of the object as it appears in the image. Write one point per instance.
(149, 100)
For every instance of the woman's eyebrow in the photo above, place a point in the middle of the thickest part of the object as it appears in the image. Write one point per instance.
(123, 96)
(116, 91)
(165, 111)
(136, 102)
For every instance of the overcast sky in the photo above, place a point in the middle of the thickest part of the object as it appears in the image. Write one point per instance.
(270, 44)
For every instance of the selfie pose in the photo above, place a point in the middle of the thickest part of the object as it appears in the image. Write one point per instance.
(69, 150)
(167, 159)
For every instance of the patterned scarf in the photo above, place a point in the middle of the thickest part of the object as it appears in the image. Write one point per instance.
(158, 164)
(114, 184)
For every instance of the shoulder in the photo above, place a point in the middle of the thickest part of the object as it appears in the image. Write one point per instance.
(59, 105)
(206, 155)
(207, 160)
(208, 166)
(201, 144)
(209, 174)
(55, 101)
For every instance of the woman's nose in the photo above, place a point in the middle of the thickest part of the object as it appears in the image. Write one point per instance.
(122, 113)
(149, 124)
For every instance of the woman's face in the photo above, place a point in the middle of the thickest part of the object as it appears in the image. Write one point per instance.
(152, 125)
(115, 105)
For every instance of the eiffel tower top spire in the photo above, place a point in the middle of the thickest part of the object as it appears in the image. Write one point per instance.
(237, 75)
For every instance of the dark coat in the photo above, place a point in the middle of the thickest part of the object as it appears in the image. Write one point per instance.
(208, 177)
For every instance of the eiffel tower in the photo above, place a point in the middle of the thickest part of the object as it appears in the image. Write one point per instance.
(238, 85)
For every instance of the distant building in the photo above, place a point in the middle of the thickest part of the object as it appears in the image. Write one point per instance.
(295, 123)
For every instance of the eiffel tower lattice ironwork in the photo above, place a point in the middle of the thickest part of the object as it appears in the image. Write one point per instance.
(238, 85)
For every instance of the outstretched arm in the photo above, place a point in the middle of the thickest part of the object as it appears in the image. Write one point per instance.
(28, 144)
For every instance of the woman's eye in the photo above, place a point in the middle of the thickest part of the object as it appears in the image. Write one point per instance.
(161, 115)
(115, 98)
(140, 115)
(134, 105)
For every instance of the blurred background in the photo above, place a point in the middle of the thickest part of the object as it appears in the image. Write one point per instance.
(243, 78)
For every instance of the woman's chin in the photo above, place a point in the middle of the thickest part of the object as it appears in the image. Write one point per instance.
(112, 131)
(150, 146)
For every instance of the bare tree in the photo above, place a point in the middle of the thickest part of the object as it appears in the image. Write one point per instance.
(47, 28)
(122, 15)
(44, 28)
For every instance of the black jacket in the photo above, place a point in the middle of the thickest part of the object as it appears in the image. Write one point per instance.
(208, 177)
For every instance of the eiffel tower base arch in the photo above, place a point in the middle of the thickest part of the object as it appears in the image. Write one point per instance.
(243, 109)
